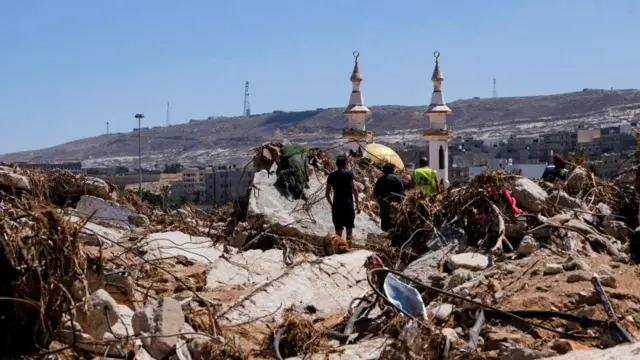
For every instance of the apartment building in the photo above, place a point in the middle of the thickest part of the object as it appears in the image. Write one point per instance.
(610, 163)
(224, 185)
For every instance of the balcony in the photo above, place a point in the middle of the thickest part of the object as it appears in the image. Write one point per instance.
(438, 135)
(356, 135)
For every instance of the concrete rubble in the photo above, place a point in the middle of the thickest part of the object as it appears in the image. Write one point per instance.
(123, 277)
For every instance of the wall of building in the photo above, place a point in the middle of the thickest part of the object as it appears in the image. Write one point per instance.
(67, 166)
(122, 180)
(222, 186)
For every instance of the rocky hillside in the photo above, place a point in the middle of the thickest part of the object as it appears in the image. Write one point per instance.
(225, 140)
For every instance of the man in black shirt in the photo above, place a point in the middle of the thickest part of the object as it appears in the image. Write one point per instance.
(557, 171)
(388, 189)
(343, 184)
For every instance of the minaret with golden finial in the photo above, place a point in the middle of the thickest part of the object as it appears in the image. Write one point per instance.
(438, 135)
(355, 133)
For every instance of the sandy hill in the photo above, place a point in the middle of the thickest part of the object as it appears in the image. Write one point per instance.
(226, 139)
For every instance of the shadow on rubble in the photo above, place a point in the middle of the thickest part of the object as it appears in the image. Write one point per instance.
(42, 264)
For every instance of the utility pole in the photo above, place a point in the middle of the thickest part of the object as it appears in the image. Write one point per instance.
(107, 128)
(139, 117)
(247, 104)
(168, 122)
(495, 88)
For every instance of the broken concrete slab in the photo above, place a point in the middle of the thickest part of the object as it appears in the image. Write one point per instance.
(470, 261)
(102, 210)
(94, 234)
(365, 350)
(427, 266)
(622, 352)
(291, 217)
(329, 284)
(248, 267)
(174, 243)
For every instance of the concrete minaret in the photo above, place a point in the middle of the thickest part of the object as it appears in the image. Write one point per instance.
(438, 135)
(355, 133)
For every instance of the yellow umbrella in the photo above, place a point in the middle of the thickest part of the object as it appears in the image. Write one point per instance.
(380, 155)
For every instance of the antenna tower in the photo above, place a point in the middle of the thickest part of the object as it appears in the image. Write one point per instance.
(107, 128)
(247, 105)
(168, 122)
(495, 88)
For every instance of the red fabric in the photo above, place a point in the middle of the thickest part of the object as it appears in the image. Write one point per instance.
(512, 202)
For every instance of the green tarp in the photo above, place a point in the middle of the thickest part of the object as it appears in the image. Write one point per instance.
(292, 172)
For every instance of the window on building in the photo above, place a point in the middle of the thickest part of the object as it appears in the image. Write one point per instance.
(441, 158)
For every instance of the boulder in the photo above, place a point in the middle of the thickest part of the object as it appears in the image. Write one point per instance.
(527, 246)
(161, 319)
(104, 317)
(574, 263)
(552, 269)
(97, 187)
(426, 267)
(10, 179)
(529, 195)
(457, 278)
(470, 261)
(291, 217)
(578, 276)
(565, 200)
(443, 312)
(139, 220)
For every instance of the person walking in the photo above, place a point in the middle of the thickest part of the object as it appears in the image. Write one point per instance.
(388, 190)
(343, 184)
(425, 178)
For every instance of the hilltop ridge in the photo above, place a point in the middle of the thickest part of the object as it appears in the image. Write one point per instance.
(226, 139)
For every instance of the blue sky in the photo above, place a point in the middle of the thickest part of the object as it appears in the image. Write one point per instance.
(69, 66)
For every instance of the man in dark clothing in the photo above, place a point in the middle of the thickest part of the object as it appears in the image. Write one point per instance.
(388, 190)
(557, 171)
(343, 184)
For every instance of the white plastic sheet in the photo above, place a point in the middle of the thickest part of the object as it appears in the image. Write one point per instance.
(405, 297)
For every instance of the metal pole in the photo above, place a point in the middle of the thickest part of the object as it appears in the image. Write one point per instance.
(139, 117)
(139, 159)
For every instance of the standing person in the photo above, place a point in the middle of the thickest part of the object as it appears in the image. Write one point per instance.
(425, 178)
(343, 184)
(388, 190)
(557, 171)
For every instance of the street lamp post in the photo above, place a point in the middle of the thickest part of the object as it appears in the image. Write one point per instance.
(139, 117)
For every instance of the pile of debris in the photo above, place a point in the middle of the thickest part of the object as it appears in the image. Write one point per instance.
(504, 268)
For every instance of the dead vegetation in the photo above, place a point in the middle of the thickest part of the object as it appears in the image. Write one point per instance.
(51, 271)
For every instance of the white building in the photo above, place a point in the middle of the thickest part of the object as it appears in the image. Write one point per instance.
(438, 135)
(226, 185)
(356, 112)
